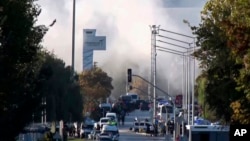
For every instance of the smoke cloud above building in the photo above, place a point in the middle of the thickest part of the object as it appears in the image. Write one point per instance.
(125, 23)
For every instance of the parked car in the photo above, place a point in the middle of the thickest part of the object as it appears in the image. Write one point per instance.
(105, 137)
(86, 129)
(135, 127)
(113, 131)
(94, 134)
(112, 116)
(104, 121)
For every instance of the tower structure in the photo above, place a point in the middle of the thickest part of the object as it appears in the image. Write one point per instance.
(91, 42)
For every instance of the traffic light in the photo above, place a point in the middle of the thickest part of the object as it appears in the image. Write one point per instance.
(129, 75)
(129, 87)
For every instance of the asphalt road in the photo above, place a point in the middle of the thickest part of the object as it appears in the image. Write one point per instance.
(127, 135)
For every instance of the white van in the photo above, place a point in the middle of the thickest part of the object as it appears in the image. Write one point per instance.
(112, 116)
(165, 109)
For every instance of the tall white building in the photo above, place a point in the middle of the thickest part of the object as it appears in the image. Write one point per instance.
(91, 42)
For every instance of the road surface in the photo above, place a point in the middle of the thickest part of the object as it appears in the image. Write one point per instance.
(127, 135)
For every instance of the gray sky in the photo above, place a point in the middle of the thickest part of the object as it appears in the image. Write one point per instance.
(126, 25)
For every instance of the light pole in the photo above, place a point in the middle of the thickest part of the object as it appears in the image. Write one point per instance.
(189, 96)
(193, 84)
(186, 76)
(183, 55)
(73, 38)
(154, 32)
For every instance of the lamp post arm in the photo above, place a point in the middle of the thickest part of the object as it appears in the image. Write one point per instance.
(152, 85)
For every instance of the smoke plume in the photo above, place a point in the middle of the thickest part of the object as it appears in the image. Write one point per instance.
(125, 23)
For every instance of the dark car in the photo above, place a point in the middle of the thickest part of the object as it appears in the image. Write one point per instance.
(127, 99)
(86, 129)
(144, 105)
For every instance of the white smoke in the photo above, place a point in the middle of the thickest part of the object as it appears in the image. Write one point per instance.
(125, 23)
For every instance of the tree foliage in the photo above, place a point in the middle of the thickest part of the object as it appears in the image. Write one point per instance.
(20, 63)
(223, 36)
(64, 100)
(28, 74)
(96, 85)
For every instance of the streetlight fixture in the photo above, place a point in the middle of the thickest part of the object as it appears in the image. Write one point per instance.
(183, 55)
(187, 76)
(193, 80)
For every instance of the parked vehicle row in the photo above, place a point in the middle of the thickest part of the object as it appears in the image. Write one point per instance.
(105, 129)
(143, 126)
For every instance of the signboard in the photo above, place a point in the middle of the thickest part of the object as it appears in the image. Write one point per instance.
(95, 43)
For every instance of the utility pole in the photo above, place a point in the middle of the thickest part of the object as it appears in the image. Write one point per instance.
(154, 32)
(73, 38)
(193, 84)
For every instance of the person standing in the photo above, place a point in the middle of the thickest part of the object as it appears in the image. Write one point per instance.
(123, 116)
(140, 106)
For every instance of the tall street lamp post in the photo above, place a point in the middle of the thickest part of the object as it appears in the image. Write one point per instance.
(187, 75)
(154, 32)
(188, 67)
(73, 38)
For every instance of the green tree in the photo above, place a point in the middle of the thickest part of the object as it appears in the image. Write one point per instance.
(20, 63)
(224, 39)
(64, 100)
(233, 18)
(218, 65)
(96, 85)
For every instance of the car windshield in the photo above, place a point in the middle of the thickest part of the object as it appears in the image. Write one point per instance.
(134, 96)
(141, 124)
(104, 120)
(106, 108)
(111, 116)
(126, 98)
(169, 109)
